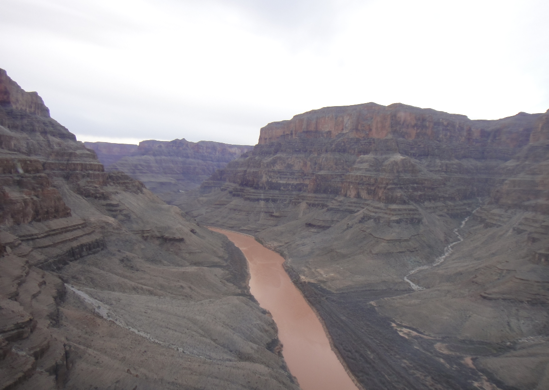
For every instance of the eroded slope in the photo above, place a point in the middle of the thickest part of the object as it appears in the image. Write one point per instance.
(103, 285)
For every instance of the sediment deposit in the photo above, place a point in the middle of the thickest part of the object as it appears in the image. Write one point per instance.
(103, 285)
(356, 198)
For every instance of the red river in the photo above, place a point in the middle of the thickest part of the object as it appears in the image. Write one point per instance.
(307, 350)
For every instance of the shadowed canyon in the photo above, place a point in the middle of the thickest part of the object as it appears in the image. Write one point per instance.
(419, 238)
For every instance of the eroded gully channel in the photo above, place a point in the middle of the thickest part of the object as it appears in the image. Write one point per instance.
(439, 260)
(306, 347)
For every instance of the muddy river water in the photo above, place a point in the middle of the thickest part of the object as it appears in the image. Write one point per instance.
(306, 348)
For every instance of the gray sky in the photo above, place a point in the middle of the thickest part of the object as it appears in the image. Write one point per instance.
(124, 71)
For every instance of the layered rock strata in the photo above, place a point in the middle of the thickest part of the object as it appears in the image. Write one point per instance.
(103, 285)
(356, 198)
(109, 153)
(168, 168)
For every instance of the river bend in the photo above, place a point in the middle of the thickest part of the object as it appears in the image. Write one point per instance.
(306, 347)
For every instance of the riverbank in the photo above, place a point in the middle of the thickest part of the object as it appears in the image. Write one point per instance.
(307, 349)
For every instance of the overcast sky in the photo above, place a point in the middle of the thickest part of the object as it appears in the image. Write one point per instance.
(128, 70)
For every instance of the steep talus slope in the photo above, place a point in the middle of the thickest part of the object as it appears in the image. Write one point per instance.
(167, 168)
(363, 200)
(103, 285)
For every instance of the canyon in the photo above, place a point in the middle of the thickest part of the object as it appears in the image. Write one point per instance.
(167, 168)
(103, 285)
(362, 201)
(419, 238)
(306, 347)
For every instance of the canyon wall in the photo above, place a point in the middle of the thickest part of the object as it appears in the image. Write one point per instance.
(364, 200)
(11, 95)
(103, 285)
(109, 153)
(167, 168)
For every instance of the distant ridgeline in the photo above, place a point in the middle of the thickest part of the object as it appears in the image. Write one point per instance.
(167, 168)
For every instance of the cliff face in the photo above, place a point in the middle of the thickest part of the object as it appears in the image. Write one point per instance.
(104, 285)
(527, 174)
(399, 121)
(109, 153)
(366, 203)
(167, 168)
(12, 96)
(397, 155)
(33, 145)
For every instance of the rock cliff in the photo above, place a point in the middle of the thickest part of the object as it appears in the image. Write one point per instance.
(103, 285)
(167, 168)
(420, 237)
(12, 96)
(109, 153)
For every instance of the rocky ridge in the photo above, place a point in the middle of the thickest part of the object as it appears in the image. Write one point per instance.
(167, 168)
(357, 197)
(104, 285)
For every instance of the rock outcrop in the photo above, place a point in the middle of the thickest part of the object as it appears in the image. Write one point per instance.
(366, 202)
(103, 285)
(12, 96)
(168, 168)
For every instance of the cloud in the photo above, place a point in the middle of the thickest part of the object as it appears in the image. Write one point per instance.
(83, 20)
(220, 70)
(294, 21)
